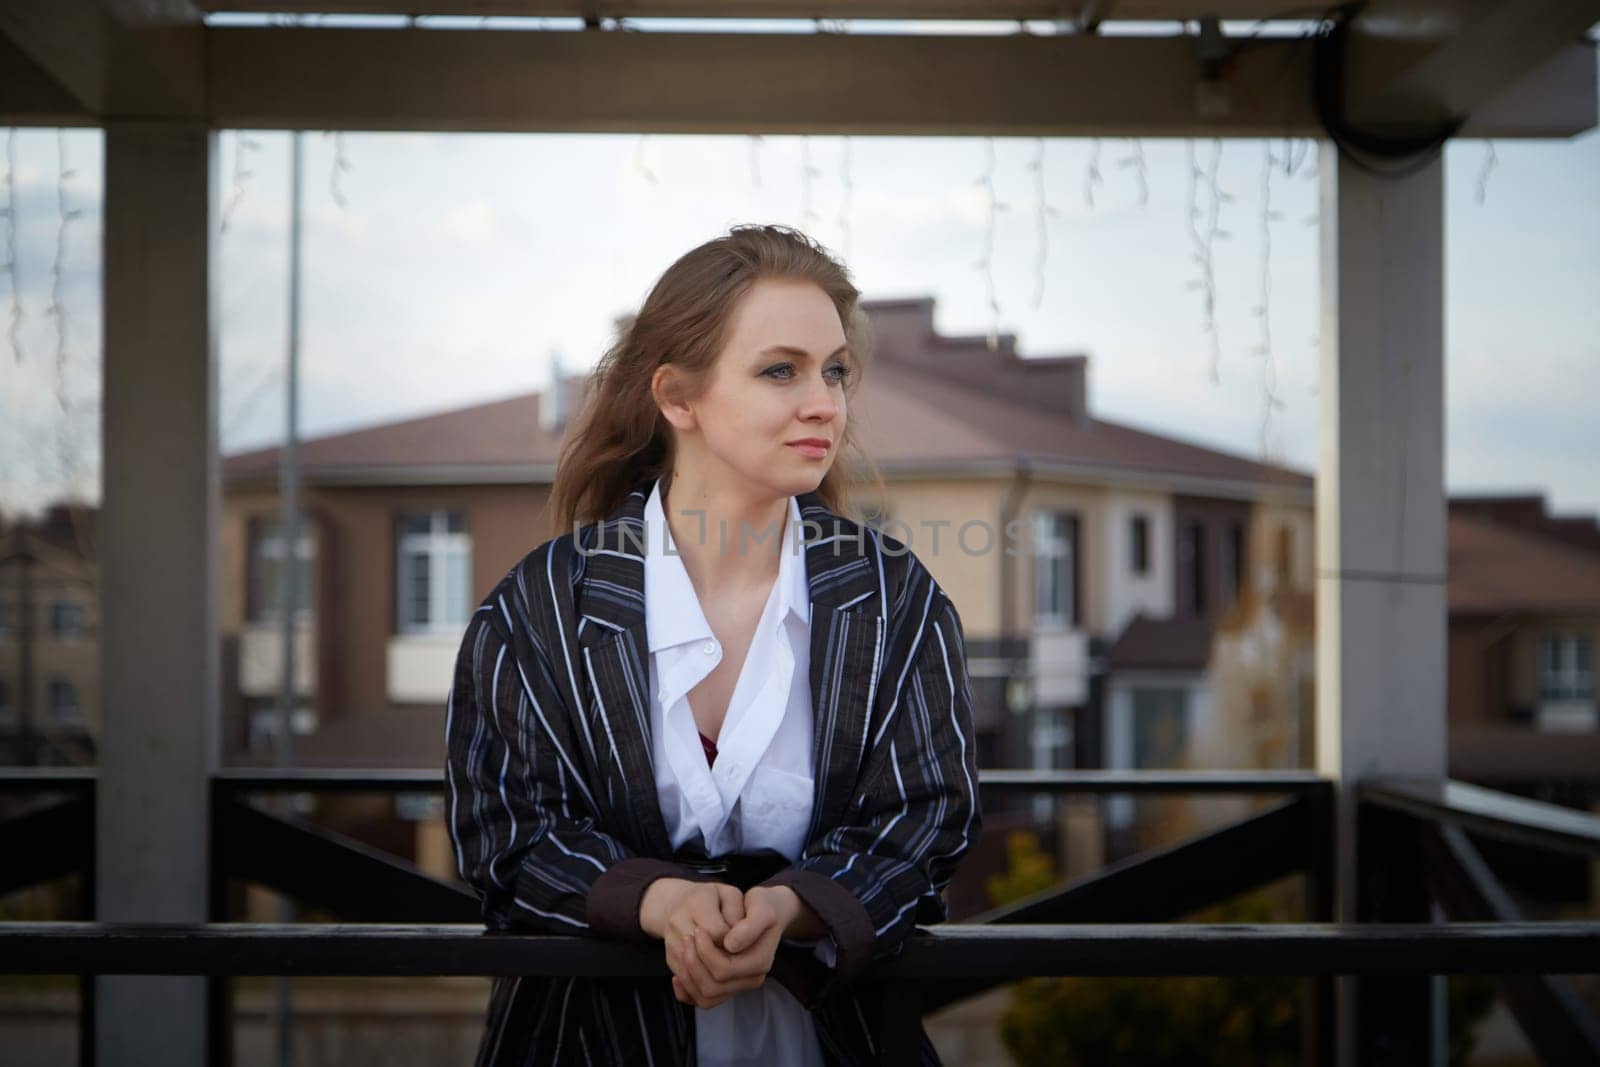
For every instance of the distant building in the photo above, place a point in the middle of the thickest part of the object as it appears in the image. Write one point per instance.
(49, 639)
(1524, 622)
(1092, 652)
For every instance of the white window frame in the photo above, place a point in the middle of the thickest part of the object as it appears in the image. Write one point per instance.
(72, 717)
(440, 546)
(1561, 675)
(1136, 566)
(1053, 547)
(267, 544)
(72, 633)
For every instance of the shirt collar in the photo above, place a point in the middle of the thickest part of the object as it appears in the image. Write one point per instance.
(672, 608)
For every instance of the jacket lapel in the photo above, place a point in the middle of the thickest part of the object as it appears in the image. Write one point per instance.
(845, 577)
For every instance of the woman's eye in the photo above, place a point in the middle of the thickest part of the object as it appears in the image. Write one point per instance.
(784, 371)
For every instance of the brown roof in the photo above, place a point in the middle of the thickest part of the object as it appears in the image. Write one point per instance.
(930, 401)
(502, 433)
(1178, 643)
(1494, 567)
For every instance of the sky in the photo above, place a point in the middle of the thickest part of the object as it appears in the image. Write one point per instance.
(445, 270)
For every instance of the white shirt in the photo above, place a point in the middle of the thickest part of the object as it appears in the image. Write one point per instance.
(758, 795)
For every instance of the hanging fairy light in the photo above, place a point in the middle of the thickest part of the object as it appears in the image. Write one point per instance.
(12, 267)
(1135, 160)
(1091, 173)
(847, 185)
(1042, 215)
(986, 264)
(244, 144)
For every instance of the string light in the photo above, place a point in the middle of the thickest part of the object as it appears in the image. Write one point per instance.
(243, 144)
(638, 159)
(1042, 217)
(848, 185)
(1204, 239)
(1091, 175)
(986, 264)
(58, 307)
(341, 164)
(1135, 159)
(1490, 161)
(1271, 401)
(12, 267)
(807, 172)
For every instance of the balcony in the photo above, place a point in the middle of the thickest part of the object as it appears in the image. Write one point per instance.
(261, 658)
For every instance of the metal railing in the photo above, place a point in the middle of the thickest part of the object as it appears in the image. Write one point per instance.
(1415, 853)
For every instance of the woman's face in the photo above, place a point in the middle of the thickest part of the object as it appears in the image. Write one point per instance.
(773, 412)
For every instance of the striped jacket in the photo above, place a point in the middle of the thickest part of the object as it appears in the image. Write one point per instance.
(552, 804)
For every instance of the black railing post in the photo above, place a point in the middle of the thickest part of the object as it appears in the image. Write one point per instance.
(1393, 1013)
(87, 907)
(1319, 1045)
(219, 988)
(899, 1019)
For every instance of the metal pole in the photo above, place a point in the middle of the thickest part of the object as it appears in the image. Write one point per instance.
(289, 573)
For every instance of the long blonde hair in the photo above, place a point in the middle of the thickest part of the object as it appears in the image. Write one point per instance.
(619, 436)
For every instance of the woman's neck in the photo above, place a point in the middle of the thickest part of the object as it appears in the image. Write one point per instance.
(728, 541)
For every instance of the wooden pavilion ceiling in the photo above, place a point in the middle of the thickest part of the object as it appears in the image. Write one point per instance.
(1508, 68)
(1075, 10)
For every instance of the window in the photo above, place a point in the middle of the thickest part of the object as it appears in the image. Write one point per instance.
(1191, 568)
(433, 589)
(1055, 546)
(67, 619)
(1160, 727)
(266, 571)
(64, 707)
(1231, 581)
(1139, 544)
(1566, 666)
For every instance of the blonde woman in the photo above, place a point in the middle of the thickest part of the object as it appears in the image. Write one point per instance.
(718, 715)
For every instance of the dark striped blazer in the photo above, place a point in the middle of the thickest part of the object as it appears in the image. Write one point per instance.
(551, 792)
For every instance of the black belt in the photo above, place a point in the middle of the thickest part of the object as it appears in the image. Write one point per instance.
(738, 869)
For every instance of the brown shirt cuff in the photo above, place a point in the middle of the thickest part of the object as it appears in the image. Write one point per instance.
(612, 907)
(840, 911)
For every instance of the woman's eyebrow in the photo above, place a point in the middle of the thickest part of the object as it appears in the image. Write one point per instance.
(800, 353)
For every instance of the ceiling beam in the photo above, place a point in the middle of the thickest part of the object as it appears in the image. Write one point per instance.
(1442, 68)
(971, 10)
(113, 58)
(1016, 85)
(29, 96)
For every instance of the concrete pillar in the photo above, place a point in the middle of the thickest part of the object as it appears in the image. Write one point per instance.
(1381, 622)
(158, 552)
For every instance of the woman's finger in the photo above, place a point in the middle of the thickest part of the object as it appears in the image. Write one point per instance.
(758, 917)
(706, 912)
(725, 969)
(692, 975)
(732, 902)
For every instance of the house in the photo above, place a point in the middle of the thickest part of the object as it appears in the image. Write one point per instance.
(49, 644)
(1524, 621)
(1095, 564)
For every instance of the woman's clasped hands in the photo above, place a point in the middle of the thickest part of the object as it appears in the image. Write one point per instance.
(718, 941)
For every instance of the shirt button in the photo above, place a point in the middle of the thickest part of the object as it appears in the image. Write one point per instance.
(709, 647)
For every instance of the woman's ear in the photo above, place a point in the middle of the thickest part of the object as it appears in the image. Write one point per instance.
(668, 387)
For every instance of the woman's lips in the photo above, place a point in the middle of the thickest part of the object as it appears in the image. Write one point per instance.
(809, 449)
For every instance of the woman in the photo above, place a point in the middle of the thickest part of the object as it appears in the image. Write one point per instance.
(717, 714)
